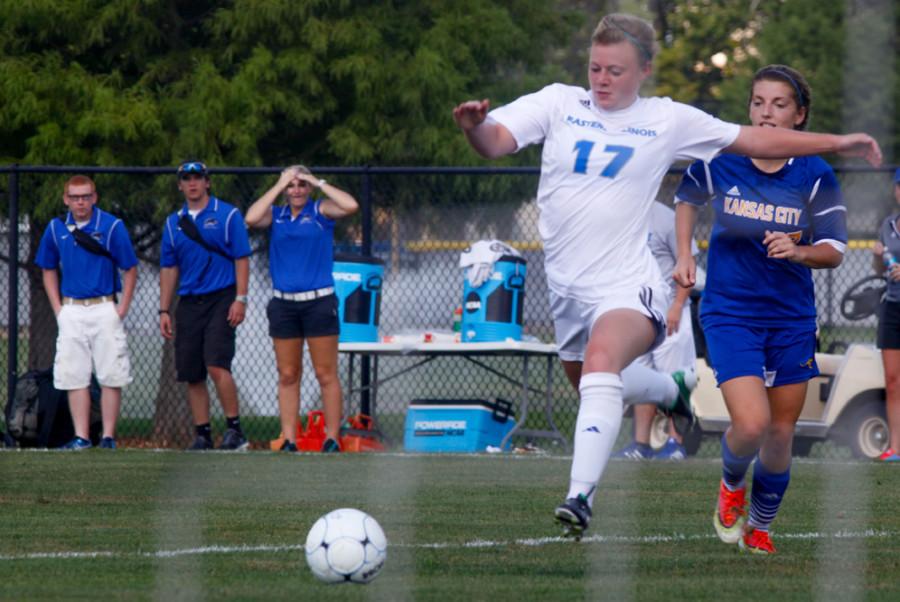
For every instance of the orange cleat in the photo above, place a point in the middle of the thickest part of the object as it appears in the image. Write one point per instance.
(730, 513)
(756, 541)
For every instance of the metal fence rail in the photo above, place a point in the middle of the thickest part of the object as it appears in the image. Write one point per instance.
(417, 220)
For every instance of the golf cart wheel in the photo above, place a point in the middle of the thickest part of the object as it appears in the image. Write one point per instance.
(659, 430)
(867, 430)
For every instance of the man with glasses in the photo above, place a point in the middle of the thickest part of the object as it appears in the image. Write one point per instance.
(88, 249)
(205, 251)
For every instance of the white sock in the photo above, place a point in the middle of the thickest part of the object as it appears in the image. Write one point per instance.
(599, 419)
(645, 385)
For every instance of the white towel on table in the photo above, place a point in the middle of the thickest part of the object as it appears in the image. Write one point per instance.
(480, 258)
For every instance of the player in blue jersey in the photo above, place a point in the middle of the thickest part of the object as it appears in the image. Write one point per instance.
(88, 248)
(775, 220)
(303, 306)
(605, 152)
(886, 261)
(205, 252)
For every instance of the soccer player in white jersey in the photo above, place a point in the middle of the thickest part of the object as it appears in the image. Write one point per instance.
(775, 220)
(605, 152)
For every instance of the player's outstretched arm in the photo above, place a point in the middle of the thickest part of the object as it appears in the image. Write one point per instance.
(782, 143)
(490, 140)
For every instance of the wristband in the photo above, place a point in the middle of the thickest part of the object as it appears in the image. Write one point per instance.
(321, 183)
(241, 299)
(163, 311)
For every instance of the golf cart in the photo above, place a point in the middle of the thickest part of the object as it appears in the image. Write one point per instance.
(845, 403)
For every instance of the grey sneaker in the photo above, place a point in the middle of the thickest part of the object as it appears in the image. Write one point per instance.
(234, 441)
(200, 444)
(574, 515)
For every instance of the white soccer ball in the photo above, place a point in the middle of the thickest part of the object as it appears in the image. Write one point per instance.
(346, 545)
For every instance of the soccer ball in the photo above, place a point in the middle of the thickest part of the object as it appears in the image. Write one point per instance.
(346, 545)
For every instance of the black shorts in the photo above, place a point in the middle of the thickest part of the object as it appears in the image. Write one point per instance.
(303, 319)
(889, 325)
(203, 336)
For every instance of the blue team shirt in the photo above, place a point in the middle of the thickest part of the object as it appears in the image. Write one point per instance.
(301, 249)
(802, 199)
(200, 271)
(86, 274)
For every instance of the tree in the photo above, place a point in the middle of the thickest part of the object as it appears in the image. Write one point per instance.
(138, 82)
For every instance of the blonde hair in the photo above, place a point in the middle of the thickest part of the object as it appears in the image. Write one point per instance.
(621, 27)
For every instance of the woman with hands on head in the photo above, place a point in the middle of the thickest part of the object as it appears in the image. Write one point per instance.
(605, 152)
(303, 305)
(775, 220)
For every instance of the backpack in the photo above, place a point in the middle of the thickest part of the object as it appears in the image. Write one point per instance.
(22, 412)
(38, 413)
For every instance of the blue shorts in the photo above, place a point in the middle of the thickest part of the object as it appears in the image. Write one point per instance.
(779, 356)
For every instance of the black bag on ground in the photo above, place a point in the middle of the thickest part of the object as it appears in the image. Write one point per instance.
(38, 414)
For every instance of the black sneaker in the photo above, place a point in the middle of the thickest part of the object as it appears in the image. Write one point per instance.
(288, 446)
(574, 515)
(200, 444)
(107, 443)
(330, 446)
(234, 441)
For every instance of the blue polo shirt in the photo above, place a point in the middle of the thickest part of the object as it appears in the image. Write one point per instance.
(86, 274)
(200, 271)
(301, 249)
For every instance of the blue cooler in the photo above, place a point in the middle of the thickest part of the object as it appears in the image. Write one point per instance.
(357, 284)
(493, 311)
(456, 425)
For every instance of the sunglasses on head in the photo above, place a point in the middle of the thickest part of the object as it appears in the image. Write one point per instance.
(192, 168)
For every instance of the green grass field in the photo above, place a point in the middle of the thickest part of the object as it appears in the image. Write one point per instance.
(149, 525)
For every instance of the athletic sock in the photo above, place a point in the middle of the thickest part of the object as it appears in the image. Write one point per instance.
(596, 429)
(765, 499)
(234, 423)
(734, 468)
(645, 385)
(204, 430)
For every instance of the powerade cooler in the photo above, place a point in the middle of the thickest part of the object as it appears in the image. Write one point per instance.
(357, 284)
(456, 425)
(493, 311)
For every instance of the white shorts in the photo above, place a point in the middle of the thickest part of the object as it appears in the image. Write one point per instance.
(677, 351)
(90, 337)
(573, 319)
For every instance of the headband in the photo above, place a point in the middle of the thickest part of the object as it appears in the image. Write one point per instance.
(801, 97)
(633, 40)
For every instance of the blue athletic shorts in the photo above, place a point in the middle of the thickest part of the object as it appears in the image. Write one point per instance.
(780, 356)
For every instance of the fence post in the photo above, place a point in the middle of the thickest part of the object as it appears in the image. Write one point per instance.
(12, 354)
(365, 367)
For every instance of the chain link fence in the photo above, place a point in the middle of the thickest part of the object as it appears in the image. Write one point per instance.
(417, 220)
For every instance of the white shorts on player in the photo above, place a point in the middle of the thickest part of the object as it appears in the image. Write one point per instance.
(573, 319)
(89, 338)
(677, 352)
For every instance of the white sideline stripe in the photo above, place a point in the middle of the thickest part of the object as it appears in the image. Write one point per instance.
(477, 543)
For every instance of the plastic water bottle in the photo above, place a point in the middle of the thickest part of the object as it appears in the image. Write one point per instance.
(889, 259)
(457, 319)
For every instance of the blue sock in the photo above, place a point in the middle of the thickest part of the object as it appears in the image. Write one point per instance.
(768, 491)
(734, 468)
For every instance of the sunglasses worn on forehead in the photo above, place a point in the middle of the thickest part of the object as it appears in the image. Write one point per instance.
(194, 167)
